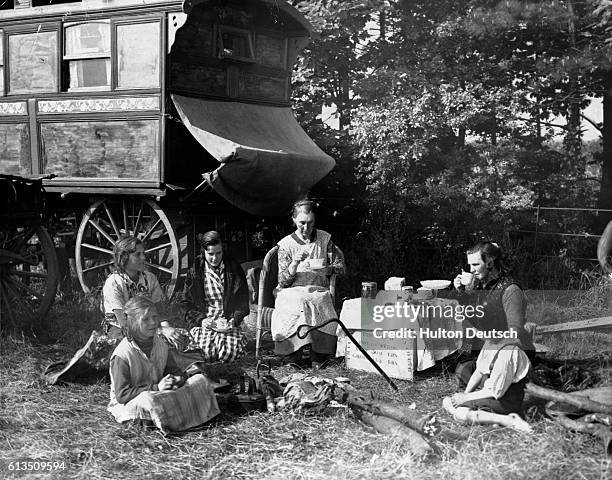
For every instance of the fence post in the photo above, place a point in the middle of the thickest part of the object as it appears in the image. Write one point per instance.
(537, 228)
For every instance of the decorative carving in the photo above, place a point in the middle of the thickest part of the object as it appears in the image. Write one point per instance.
(89, 105)
(13, 108)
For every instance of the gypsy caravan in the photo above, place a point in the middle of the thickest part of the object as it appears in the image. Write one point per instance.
(146, 117)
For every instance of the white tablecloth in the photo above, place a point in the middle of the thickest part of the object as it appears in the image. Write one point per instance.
(428, 350)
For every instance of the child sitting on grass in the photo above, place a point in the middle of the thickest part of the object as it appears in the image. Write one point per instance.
(146, 383)
(496, 387)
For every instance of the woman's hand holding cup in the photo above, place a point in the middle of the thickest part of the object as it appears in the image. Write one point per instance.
(466, 278)
(463, 279)
(166, 383)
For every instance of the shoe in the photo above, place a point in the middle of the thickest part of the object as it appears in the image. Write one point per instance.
(295, 360)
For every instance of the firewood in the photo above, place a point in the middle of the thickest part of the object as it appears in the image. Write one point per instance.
(425, 424)
(602, 431)
(571, 399)
(596, 418)
(597, 394)
(417, 444)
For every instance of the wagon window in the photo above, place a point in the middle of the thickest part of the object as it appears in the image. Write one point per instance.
(234, 43)
(33, 62)
(138, 48)
(87, 56)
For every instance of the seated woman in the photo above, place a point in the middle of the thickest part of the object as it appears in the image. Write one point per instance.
(129, 279)
(503, 300)
(144, 374)
(498, 381)
(306, 260)
(216, 300)
(496, 386)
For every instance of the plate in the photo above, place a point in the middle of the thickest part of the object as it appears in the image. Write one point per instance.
(221, 330)
(436, 284)
(316, 269)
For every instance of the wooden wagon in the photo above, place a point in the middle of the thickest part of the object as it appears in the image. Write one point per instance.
(155, 118)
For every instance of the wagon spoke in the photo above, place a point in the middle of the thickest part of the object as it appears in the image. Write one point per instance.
(159, 267)
(22, 239)
(102, 231)
(97, 267)
(17, 284)
(95, 247)
(25, 308)
(141, 218)
(26, 273)
(112, 221)
(125, 218)
(159, 247)
(7, 303)
(138, 220)
(150, 232)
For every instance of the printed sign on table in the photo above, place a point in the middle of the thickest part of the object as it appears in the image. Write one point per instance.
(398, 362)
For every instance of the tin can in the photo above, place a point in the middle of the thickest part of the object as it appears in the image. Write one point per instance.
(408, 293)
(369, 289)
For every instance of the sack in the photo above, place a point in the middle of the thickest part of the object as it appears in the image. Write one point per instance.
(90, 363)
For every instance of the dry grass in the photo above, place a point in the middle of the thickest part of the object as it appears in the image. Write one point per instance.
(70, 424)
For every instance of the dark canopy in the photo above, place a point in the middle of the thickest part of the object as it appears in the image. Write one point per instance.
(267, 160)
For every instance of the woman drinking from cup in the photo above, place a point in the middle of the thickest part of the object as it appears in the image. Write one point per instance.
(306, 260)
(503, 299)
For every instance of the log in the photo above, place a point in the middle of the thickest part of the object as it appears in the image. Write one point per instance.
(601, 323)
(596, 418)
(601, 431)
(425, 424)
(571, 399)
(597, 394)
(417, 444)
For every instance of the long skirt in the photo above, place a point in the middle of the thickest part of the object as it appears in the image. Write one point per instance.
(218, 346)
(297, 306)
(172, 410)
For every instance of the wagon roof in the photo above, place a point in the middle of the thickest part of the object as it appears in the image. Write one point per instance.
(281, 5)
(267, 160)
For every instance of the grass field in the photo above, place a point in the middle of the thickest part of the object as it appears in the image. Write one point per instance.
(70, 424)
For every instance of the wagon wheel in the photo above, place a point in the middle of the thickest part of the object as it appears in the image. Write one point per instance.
(29, 275)
(108, 220)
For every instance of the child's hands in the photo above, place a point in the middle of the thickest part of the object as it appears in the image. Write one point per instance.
(458, 399)
(178, 381)
(166, 383)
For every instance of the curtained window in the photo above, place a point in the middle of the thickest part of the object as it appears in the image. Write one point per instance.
(87, 55)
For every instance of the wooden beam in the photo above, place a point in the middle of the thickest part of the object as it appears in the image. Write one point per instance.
(601, 323)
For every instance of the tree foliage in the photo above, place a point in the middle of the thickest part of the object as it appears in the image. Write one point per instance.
(444, 112)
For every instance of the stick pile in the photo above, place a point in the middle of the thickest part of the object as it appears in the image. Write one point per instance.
(593, 415)
(396, 420)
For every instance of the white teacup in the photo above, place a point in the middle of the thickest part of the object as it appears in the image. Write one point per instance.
(222, 324)
(466, 278)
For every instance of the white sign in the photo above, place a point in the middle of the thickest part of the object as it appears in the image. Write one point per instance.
(396, 357)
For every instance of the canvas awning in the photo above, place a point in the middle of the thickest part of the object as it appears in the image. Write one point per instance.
(267, 160)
